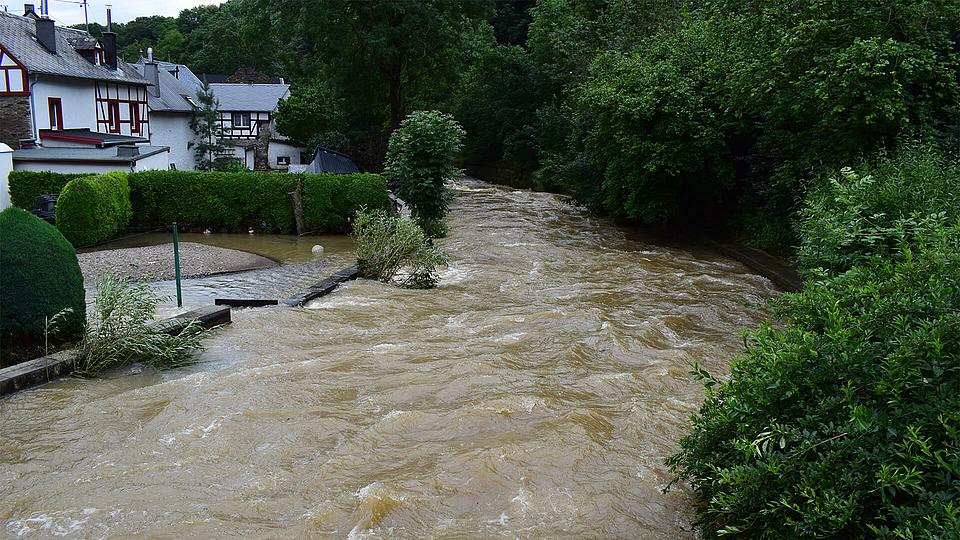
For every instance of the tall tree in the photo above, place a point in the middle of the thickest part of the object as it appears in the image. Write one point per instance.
(208, 140)
(405, 49)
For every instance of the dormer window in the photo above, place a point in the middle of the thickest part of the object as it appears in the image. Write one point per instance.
(98, 57)
(13, 76)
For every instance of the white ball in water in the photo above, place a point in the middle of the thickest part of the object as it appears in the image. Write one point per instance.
(317, 250)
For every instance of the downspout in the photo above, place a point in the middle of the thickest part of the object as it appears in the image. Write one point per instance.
(35, 129)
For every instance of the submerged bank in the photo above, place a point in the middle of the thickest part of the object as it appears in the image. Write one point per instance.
(535, 393)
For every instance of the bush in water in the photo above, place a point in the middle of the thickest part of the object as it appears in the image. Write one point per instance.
(95, 208)
(420, 159)
(844, 422)
(121, 332)
(39, 278)
(395, 249)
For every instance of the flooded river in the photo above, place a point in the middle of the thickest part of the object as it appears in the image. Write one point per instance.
(535, 394)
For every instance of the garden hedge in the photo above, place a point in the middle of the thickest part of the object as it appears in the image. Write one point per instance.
(26, 185)
(39, 277)
(331, 200)
(94, 209)
(236, 201)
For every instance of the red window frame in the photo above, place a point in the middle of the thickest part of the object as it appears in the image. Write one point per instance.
(113, 116)
(134, 117)
(55, 112)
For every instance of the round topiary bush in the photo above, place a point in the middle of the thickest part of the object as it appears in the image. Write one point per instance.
(39, 277)
(94, 208)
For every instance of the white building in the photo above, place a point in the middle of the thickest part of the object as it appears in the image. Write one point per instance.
(171, 99)
(61, 88)
(247, 109)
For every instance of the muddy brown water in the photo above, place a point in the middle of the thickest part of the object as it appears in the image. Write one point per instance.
(535, 394)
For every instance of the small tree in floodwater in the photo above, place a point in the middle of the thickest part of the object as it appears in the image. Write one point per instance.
(419, 160)
(394, 249)
(208, 133)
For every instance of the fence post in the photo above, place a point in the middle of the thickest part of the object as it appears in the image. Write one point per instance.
(176, 261)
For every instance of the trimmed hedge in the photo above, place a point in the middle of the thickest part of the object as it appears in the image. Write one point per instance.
(219, 200)
(26, 185)
(331, 200)
(39, 277)
(94, 209)
(235, 201)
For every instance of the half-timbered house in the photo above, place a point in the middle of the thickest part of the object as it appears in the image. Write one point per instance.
(61, 87)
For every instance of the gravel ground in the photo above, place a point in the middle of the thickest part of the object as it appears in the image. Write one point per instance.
(155, 263)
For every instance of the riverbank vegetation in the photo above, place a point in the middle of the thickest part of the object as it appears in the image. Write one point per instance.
(395, 249)
(41, 281)
(844, 422)
(122, 332)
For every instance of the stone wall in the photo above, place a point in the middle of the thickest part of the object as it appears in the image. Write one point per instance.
(15, 120)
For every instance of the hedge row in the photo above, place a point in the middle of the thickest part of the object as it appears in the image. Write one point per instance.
(235, 201)
(26, 185)
(94, 208)
(231, 201)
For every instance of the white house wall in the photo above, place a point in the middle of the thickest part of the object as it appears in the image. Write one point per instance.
(77, 99)
(70, 166)
(278, 149)
(173, 130)
(156, 162)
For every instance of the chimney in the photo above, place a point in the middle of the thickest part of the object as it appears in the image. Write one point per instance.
(149, 54)
(127, 150)
(28, 10)
(152, 74)
(109, 40)
(47, 34)
(109, 21)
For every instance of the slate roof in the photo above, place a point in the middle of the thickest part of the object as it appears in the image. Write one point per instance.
(105, 155)
(328, 160)
(18, 35)
(249, 97)
(186, 77)
(173, 93)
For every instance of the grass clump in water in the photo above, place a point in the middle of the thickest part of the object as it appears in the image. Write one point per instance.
(395, 249)
(121, 332)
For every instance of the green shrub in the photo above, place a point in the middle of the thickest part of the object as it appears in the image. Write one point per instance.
(220, 200)
(395, 249)
(331, 200)
(26, 185)
(844, 423)
(420, 159)
(854, 215)
(39, 277)
(122, 332)
(94, 208)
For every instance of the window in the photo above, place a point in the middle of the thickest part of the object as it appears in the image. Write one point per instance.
(56, 113)
(240, 120)
(98, 56)
(134, 118)
(113, 116)
(283, 160)
(13, 77)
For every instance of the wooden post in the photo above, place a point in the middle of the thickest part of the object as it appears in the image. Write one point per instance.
(297, 207)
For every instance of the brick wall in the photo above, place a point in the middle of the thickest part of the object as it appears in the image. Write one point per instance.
(15, 120)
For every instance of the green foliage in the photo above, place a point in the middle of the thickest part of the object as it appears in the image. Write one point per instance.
(232, 201)
(26, 185)
(649, 121)
(236, 201)
(855, 214)
(395, 249)
(39, 277)
(121, 332)
(94, 209)
(310, 111)
(419, 161)
(843, 421)
(331, 200)
(208, 133)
